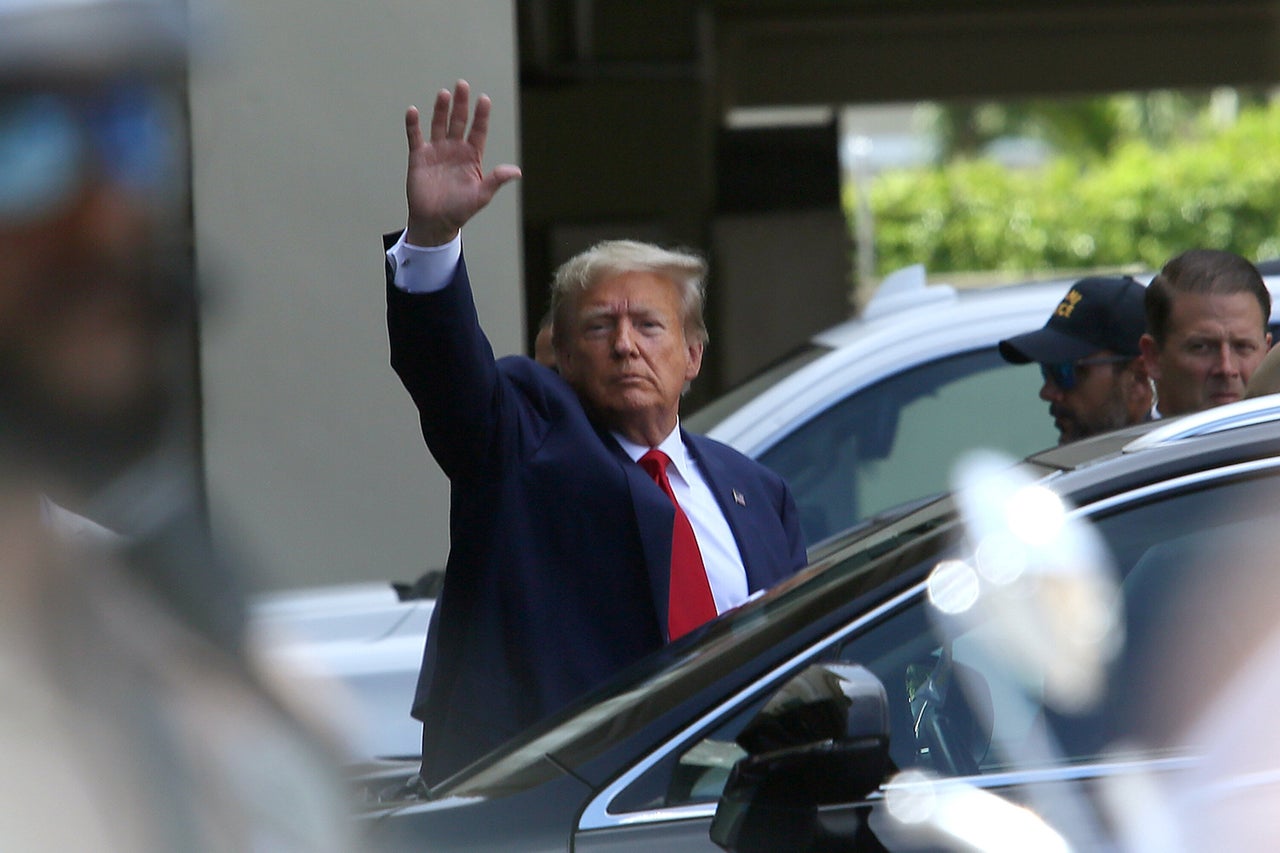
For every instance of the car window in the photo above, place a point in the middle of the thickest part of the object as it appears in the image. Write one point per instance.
(956, 710)
(722, 407)
(953, 708)
(897, 440)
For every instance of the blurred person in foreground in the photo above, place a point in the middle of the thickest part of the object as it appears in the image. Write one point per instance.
(1207, 318)
(1090, 358)
(134, 717)
(576, 547)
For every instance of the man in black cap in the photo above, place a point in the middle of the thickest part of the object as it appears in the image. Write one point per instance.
(1088, 352)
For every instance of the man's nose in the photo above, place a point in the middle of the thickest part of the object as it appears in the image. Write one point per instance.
(107, 214)
(1227, 362)
(624, 339)
(1050, 392)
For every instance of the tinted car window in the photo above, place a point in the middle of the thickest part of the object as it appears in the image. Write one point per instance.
(987, 723)
(1163, 549)
(896, 441)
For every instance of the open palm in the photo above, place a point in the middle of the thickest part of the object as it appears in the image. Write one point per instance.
(446, 184)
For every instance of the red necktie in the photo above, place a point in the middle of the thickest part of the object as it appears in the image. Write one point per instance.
(690, 602)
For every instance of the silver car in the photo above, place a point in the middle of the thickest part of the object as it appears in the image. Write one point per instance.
(872, 413)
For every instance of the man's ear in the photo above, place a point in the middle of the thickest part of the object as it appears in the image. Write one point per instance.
(694, 365)
(1150, 356)
(566, 365)
(1138, 389)
(1138, 367)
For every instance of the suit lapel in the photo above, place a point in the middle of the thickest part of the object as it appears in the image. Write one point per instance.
(654, 519)
(731, 497)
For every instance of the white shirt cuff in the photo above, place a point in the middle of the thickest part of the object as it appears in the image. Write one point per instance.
(424, 269)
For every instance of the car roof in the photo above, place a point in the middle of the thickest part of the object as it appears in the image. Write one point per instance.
(1160, 450)
(907, 322)
(906, 298)
(943, 321)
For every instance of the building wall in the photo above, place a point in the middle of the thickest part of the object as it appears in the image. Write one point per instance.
(314, 464)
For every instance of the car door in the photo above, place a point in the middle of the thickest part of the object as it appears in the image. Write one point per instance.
(991, 737)
(1187, 624)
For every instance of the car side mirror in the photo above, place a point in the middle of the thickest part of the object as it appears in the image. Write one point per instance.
(823, 738)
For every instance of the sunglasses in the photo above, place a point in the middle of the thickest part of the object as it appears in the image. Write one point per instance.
(1065, 374)
(53, 143)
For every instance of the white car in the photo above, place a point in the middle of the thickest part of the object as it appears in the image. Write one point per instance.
(360, 645)
(870, 414)
(873, 412)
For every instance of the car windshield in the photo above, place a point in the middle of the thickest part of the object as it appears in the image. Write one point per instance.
(877, 557)
(717, 410)
(896, 439)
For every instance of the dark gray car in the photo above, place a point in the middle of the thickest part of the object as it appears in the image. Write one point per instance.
(642, 763)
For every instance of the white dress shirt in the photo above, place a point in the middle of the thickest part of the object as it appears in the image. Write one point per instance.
(424, 269)
(720, 555)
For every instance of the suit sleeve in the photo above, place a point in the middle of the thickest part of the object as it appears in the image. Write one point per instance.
(446, 364)
(790, 515)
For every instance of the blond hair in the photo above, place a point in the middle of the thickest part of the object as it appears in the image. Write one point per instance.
(686, 270)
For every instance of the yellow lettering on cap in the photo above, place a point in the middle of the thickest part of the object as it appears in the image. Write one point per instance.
(1068, 303)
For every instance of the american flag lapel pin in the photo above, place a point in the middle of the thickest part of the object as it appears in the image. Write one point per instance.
(738, 498)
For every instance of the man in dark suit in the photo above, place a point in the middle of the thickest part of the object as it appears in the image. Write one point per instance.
(568, 559)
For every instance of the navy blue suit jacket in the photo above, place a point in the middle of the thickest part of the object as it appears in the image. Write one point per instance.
(560, 544)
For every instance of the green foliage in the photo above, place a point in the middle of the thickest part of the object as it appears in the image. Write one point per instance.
(1139, 203)
(1088, 126)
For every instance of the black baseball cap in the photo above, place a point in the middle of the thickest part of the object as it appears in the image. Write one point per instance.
(1098, 313)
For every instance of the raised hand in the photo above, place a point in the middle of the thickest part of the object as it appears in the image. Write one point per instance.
(446, 184)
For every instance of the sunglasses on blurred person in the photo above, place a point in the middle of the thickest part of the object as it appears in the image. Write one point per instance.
(1067, 374)
(53, 143)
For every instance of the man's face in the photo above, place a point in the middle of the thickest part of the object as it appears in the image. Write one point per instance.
(81, 328)
(70, 317)
(1214, 343)
(1097, 402)
(627, 355)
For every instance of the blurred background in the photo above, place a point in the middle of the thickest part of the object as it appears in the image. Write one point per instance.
(808, 147)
